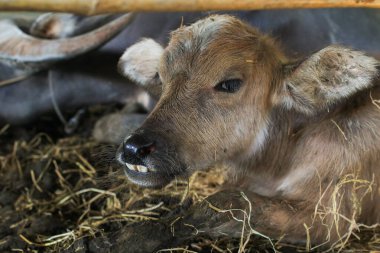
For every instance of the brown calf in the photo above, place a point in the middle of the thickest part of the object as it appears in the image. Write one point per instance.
(300, 139)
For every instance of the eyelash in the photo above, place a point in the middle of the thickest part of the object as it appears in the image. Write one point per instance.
(229, 86)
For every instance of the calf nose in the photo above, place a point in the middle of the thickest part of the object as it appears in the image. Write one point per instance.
(136, 148)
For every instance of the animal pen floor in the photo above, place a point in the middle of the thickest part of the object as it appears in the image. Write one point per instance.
(59, 192)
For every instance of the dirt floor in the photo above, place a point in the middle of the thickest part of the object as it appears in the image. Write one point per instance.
(58, 193)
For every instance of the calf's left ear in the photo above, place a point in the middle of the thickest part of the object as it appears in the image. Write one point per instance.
(326, 78)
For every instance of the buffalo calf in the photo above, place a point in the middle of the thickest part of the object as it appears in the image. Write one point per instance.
(299, 138)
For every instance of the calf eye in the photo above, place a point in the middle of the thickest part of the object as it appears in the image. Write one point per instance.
(230, 86)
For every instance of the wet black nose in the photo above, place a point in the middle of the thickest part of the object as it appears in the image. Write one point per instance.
(136, 148)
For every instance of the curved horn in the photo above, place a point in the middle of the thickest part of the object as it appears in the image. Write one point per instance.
(62, 25)
(54, 25)
(21, 50)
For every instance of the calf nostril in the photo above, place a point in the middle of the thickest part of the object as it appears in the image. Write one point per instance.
(146, 150)
(136, 148)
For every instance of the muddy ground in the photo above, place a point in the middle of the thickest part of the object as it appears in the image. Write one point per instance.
(65, 193)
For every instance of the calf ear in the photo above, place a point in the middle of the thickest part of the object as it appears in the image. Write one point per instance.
(140, 63)
(326, 78)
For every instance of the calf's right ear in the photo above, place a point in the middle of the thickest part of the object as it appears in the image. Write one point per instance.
(326, 78)
(140, 64)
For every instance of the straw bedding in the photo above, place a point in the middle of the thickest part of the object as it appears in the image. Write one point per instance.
(58, 193)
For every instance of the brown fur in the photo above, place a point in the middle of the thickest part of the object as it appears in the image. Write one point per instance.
(297, 138)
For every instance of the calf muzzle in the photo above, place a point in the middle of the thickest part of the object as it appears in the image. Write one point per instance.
(144, 157)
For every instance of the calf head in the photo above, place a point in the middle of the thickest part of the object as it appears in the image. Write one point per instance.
(220, 80)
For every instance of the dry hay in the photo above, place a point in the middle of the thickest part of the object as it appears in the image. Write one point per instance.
(55, 192)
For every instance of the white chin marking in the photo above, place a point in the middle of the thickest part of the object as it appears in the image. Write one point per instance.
(138, 168)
